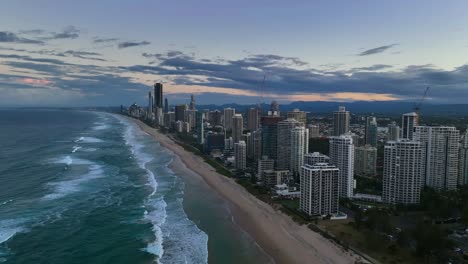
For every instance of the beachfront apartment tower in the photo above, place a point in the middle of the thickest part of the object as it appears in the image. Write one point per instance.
(158, 95)
(365, 161)
(341, 119)
(403, 172)
(408, 122)
(237, 127)
(342, 156)
(270, 135)
(393, 132)
(370, 137)
(299, 147)
(228, 115)
(441, 150)
(253, 119)
(240, 154)
(319, 189)
(285, 127)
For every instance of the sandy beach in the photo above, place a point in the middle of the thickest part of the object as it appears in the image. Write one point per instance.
(275, 232)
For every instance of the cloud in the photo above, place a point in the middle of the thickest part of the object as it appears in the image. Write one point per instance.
(69, 53)
(376, 50)
(375, 67)
(69, 32)
(104, 40)
(9, 37)
(128, 44)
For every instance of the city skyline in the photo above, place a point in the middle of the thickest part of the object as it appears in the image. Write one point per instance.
(78, 54)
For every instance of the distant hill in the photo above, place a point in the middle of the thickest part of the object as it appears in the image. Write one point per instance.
(359, 107)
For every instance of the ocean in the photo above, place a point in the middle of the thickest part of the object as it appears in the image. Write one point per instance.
(90, 187)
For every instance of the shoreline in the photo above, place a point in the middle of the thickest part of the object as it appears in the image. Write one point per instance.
(276, 233)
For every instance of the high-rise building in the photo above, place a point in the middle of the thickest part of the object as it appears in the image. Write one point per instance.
(158, 95)
(315, 157)
(237, 127)
(314, 131)
(214, 142)
(319, 189)
(371, 131)
(283, 161)
(342, 156)
(166, 105)
(240, 153)
(403, 172)
(257, 145)
(228, 115)
(190, 117)
(253, 119)
(264, 164)
(169, 119)
(393, 133)
(270, 136)
(441, 147)
(150, 105)
(200, 128)
(215, 118)
(300, 116)
(341, 119)
(365, 161)
(247, 138)
(192, 102)
(408, 122)
(463, 163)
(299, 147)
(180, 112)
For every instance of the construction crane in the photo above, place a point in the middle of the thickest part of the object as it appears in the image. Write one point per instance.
(417, 106)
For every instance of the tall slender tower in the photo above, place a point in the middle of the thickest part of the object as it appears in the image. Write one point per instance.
(342, 156)
(408, 122)
(341, 119)
(371, 131)
(150, 104)
(299, 147)
(237, 127)
(253, 119)
(192, 102)
(228, 115)
(158, 95)
(166, 105)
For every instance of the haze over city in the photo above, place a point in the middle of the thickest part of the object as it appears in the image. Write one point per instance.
(83, 53)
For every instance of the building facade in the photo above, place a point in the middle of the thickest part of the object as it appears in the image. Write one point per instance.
(341, 119)
(342, 156)
(365, 161)
(240, 154)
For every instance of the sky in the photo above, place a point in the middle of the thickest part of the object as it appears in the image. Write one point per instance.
(111, 52)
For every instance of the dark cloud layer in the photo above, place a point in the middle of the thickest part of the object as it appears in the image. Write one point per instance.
(129, 44)
(104, 40)
(69, 32)
(376, 50)
(9, 37)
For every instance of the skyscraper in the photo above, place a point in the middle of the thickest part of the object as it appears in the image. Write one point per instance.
(441, 149)
(274, 108)
(300, 116)
(264, 164)
(319, 189)
(463, 163)
(283, 161)
(192, 102)
(253, 119)
(403, 172)
(365, 161)
(371, 131)
(341, 119)
(240, 153)
(180, 112)
(270, 136)
(150, 104)
(166, 105)
(393, 132)
(237, 127)
(342, 156)
(314, 131)
(408, 122)
(158, 95)
(228, 114)
(200, 128)
(299, 147)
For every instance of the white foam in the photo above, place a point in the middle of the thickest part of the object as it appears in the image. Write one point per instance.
(75, 149)
(9, 228)
(6, 202)
(68, 160)
(88, 140)
(64, 188)
(100, 126)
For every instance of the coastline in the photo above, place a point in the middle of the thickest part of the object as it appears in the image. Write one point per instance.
(276, 233)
